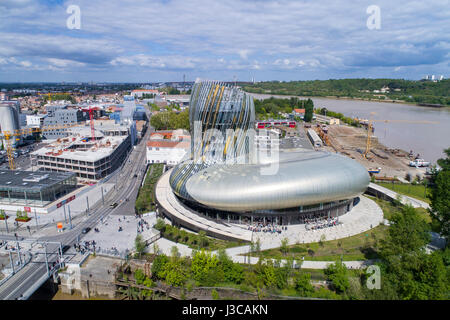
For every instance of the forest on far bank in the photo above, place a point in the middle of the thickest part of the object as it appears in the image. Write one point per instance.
(427, 92)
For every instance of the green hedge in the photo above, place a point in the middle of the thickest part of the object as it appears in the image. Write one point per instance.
(146, 196)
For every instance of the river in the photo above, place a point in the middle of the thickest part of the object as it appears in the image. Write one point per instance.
(428, 140)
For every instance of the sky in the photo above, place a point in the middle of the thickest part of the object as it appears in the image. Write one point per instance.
(162, 40)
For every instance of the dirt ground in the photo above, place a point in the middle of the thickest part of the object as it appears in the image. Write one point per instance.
(351, 142)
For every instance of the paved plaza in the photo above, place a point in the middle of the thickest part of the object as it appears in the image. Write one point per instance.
(109, 236)
(78, 209)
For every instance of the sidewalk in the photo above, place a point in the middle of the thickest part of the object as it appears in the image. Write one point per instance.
(403, 199)
(165, 246)
(110, 241)
(77, 208)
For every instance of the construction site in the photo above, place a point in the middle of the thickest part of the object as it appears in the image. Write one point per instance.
(360, 144)
(90, 156)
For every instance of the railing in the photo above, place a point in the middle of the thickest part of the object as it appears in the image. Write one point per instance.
(123, 254)
(16, 270)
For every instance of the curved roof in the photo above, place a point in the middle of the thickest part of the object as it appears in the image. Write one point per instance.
(216, 178)
(302, 178)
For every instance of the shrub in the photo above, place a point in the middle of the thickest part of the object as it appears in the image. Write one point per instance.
(303, 284)
(215, 294)
(139, 276)
(158, 266)
(148, 282)
(160, 225)
(338, 275)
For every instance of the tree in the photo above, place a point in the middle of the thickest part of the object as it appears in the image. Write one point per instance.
(233, 272)
(174, 273)
(160, 225)
(409, 272)
(440, 197)
(148, 282)
(281, 276)
(338, 275)
(309, 107)
(407, 234)
(303, 284)
(269, 276)
(284, 246)
(205, 268)
(203, 239)
(170, 120)
(322, 239)
(139, 276)
(174, 252)
(158, 265)
(139, 245)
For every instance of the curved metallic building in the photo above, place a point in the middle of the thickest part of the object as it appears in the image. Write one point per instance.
(221, 120)
(225, 173)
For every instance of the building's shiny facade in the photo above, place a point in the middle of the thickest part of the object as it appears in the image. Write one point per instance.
(225, 176)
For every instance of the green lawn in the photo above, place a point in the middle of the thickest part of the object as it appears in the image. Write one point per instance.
(358, 247)
(416, 191)
(389, 208)
(195, 240)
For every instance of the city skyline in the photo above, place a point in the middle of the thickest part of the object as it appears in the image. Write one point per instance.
(142, 41)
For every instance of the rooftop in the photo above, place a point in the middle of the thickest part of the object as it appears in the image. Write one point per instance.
(169, 144)
(170, 134)
(79, 145)
(10, 180)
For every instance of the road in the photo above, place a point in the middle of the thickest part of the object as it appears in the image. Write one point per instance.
(126, 186)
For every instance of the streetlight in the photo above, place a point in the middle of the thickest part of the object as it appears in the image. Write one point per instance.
(6, 223)
(46, 260)
(70, 217)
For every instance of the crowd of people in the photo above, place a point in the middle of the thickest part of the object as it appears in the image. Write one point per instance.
(266, 228)
(7, 246)
(141, 224)
(320, 223)
(85, 246)
(311, 222)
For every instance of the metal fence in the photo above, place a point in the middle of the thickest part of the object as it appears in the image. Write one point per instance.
(123, 254)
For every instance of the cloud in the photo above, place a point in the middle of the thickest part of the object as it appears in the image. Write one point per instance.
(156, 62)
(244, 53)
(274, 38)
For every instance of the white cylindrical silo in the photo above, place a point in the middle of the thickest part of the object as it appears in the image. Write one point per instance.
(9, 120)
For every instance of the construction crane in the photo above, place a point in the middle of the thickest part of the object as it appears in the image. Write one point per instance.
(7, 136)
(370, 129)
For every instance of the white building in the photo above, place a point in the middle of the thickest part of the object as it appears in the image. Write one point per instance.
(35, 120)
(140, 92)
(167, 151)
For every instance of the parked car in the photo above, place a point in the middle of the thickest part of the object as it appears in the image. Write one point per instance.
(113, 205)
